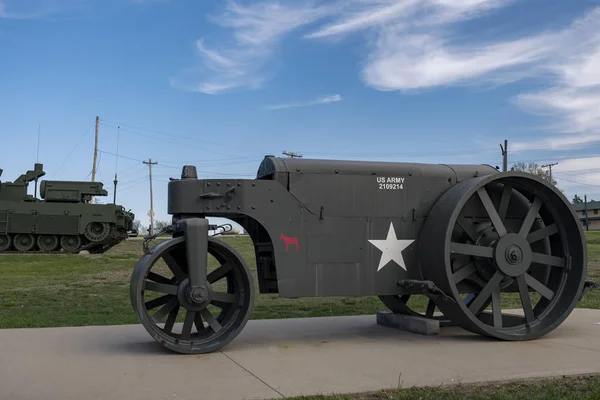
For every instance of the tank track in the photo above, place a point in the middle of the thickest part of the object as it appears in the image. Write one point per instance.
(92, 248)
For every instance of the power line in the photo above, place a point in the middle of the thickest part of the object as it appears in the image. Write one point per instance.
(72, 150)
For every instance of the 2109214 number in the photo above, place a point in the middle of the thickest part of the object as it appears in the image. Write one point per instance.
(391, 186)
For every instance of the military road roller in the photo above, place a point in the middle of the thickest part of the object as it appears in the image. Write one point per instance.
(64, 220)
(464, 236)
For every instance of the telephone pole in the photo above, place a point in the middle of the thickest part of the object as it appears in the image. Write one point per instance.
(95, 156)
(550, 167)
(291, 154)
(504, 155)
(587, 228)
(149, 163)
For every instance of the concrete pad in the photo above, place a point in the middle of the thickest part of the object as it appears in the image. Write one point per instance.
(410, 323)
(276, 358)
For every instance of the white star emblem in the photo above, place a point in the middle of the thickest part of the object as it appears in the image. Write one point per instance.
(391, 248)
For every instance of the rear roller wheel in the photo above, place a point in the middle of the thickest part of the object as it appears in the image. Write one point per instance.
(47, 242)
(163, 293)
(24, 242)
(508, 232)
(5, 242)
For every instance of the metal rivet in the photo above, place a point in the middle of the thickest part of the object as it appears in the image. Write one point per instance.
(207, 183)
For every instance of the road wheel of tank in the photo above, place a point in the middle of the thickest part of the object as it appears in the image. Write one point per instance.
(97, 231)
(161, 291)
(47, 242)
(70, 243)
(5, 242)
(24, 242)
(505, 233)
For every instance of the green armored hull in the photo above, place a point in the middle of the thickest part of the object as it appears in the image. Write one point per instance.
(63, 220)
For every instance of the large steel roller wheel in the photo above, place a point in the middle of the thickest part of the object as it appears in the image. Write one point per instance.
(505, 233)
(161, 296)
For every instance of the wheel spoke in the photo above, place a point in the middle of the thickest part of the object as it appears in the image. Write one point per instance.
(159, 301)
(212, 321)
(173, 265)
(405, 298)
(525, 301)
(542, 233)
(496, 308)
(171, 320)
(186, 331)
(504, 201)
(463, 273)
(485, 293)
(220, 299)
(158, 278)
(472, 250)
(468, 228)
(530, 217)
(491, 211)
(218, 273)
(546, 259)
(539, 287)
(167, 308)
(430, 309)
(160, 287)
(198, 322)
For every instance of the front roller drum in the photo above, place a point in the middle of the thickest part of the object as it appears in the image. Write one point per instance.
(160, 296)
(505, 233)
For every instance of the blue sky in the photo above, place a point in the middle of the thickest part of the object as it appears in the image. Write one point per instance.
(220, 84)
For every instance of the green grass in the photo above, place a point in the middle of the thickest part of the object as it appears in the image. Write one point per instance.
(74, 290)
(572, 388)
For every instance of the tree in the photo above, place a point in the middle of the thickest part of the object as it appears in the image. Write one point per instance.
(533, 168)
(137, 224)
(160, 225)
(577, 199)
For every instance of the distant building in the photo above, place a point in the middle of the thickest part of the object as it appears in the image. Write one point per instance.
(593, 214)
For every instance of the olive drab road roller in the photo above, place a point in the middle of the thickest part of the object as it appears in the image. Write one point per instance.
(462, 235)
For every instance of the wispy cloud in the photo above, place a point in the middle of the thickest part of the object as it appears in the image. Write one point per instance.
(321, 100)
(415, 45)
(256, 31)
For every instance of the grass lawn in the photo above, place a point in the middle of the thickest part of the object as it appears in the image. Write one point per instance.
(72, 290)
(572, 388)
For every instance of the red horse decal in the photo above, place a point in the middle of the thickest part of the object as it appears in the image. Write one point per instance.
(288, 241)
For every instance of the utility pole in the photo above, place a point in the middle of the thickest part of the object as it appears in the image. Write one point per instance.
(149, 163)
(550, 167)
(116, 166)
(585, 212)
(95, 156)
(291, 154)
(504, 155)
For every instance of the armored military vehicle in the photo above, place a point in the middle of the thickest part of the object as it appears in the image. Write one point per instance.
(62, 220)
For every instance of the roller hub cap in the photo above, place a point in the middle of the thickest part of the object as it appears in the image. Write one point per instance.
(513, 255)
(196, 299)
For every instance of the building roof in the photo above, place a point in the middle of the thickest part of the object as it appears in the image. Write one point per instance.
(591, 205)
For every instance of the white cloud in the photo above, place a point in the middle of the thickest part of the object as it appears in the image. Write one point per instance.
(256, 29)
(321, 100)
(415, 45)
